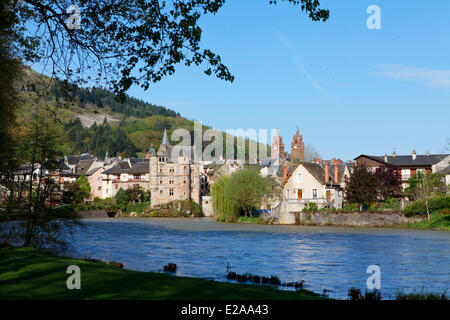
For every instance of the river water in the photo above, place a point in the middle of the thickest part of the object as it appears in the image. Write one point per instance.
(328, 258)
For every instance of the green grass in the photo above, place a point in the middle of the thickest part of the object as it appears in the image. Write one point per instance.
(27, 273)
(139, 208)
(437, 221)
(254, 220)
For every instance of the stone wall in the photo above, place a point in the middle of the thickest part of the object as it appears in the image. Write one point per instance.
(207, 206)
(347, 219)
(93, 214)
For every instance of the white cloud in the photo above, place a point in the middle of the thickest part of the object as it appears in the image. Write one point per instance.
(433, 78)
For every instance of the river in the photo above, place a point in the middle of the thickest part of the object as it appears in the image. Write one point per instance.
(328, 258)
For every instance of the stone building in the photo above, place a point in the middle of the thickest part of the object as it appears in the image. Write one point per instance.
(174, 176)
(168, 176)
(297, 148)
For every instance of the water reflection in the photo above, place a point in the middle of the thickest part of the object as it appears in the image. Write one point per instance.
(326, 258)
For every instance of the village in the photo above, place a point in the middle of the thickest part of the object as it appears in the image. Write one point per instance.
(165, 178)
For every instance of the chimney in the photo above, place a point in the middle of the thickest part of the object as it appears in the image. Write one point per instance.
(284, 173)
(428, 153)
(336, 173)
(414, 156)
(385, 157)
(327, 172)
(394, 154)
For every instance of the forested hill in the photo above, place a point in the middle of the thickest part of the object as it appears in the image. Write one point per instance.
(93, 120)
(105, 100)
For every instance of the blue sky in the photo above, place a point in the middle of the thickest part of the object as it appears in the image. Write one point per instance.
(350, 89)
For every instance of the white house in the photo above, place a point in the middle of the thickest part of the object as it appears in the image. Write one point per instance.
(305, 183)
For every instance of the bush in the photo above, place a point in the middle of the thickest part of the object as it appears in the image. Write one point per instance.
(438, 203)
(414, 209)
(351, 207)
(311, 207)
(422, 295)
(392, 203)
(355, 294)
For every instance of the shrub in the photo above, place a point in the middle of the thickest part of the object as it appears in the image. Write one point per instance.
(311, 207)
(414, 209)
(351, 207)
(438, 203)
(422, 295)
(392, 203)
(435, 205)
(355, 294)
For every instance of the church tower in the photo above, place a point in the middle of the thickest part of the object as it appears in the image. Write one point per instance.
(297, 148)
(277, 149)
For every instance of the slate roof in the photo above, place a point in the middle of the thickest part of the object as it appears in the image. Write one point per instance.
(407, 161)
(83, 167)
(341, 170)
(74, 159)
(315, 169)
(138, 166)
(55, 164)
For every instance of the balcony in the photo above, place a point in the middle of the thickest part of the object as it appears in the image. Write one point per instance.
(306, 201)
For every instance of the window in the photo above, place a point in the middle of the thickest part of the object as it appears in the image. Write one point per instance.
(287, 193)
(299, 177)
(171, 182)
(99, 188)
(160, 191)
(170, 192)
(314, 193)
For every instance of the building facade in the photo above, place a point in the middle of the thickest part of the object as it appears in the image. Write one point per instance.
(407, 166)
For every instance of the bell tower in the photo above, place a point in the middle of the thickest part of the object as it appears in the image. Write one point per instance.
(277, 149)
(297, 148)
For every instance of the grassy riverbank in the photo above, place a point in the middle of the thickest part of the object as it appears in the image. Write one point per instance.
(437, 222)
(27, 273)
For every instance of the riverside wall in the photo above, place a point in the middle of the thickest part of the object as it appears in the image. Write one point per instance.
(381, 219)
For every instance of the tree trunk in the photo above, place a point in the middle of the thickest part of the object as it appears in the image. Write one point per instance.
(428, 212)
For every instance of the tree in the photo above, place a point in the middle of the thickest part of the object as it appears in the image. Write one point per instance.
(81, 189)
(121, 197)
(247, 188)
(361, 186)
(135, 194)
(225, 209)
(311, 153)
(123, 42)
(389, 182)
(428, 186)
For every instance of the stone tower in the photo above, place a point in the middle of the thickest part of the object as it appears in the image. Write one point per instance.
(277, 150)
(297, 148)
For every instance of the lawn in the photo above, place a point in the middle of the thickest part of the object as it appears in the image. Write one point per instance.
(437, 221)
(27, 273)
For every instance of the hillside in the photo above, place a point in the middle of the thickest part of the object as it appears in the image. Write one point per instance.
(93, 120)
